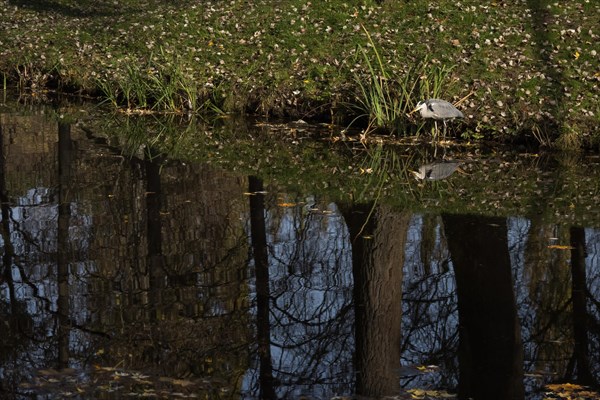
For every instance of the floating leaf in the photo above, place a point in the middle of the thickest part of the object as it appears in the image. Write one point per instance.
(428, 368)
(560, 247)
(421, 394)
(416, 393)
(48, 372)
(569, 391)
(182, 382)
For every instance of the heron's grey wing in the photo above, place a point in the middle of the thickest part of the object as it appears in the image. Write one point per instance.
(441, 109)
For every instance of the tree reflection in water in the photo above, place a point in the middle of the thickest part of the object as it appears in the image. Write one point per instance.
(171, 270)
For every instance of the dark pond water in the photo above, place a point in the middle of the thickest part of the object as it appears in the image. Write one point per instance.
(246, 261)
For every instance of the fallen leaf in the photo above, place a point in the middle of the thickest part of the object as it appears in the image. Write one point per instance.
(48, 372)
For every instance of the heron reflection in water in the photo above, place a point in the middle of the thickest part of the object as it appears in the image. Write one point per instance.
(437, 170)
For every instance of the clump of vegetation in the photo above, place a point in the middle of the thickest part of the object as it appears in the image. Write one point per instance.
(386, 100)
(164, 87)
(532, 65)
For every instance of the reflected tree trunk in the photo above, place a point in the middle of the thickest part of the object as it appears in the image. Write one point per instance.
(378, 258)
(5, 232)
(490, 348)
(156, 271)
(65, 158)
(7, 261)
(261, 265)
(580, 315)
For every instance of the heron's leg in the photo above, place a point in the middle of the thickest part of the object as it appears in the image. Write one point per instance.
(445, 128)
(435, 133)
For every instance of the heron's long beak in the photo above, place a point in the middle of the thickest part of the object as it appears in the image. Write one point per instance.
(413, 111)
(417, 174)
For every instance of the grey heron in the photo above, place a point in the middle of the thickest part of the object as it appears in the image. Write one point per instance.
(437, 109)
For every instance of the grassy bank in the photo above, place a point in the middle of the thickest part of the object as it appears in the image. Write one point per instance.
(531, 67)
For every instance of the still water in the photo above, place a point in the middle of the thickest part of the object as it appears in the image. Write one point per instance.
(246, 261)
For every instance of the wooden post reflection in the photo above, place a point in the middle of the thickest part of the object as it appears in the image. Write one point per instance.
(490, 348)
